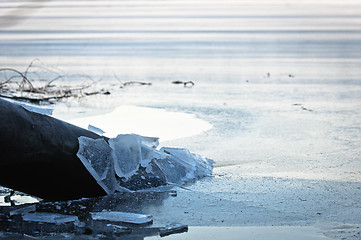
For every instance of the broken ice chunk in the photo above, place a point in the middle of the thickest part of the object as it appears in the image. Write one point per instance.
(131, 162)
(116, 229)
(23, 210)
(174, 171)
(172, 228)
(44, 217)
(95, 130)
(124, 217)
(152, 142)
(179, 165)
(96, 155)
(200, 166)
(148, 154)
(126, 153)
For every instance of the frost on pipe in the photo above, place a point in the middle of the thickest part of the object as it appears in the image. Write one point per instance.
(132, 162)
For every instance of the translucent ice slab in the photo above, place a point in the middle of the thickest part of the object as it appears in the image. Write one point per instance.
(96, 156)
(127, 154)
(124, 217)
(55, 218)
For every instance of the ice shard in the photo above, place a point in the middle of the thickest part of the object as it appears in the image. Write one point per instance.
(55, 218)
(127, 154)
(180, 166)
(96, 155)
(95, 130)
(172, 228)
(125, 217)
(196, 165)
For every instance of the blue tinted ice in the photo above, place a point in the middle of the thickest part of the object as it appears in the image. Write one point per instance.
(174, 171)
(96, 155)
(95, 130)
(127, 154)
(125, 217)
(152, 142)
(54, 218)
(180, 165)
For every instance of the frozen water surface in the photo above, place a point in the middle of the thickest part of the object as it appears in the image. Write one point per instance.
(278, 81)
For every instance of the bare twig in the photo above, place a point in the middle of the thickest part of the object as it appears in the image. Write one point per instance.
(29, 86)
(136, 83)
(124, 84)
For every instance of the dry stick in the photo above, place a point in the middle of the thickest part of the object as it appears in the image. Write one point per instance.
(136, 82)
(48, 93)
(25, 78)
(191, 83)
(124, 84)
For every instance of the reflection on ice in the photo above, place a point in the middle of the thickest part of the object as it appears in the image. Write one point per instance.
(132, 162)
